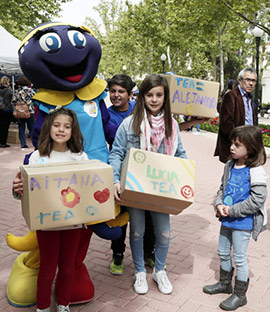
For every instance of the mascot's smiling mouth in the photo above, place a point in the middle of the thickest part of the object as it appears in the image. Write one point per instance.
(73, 73)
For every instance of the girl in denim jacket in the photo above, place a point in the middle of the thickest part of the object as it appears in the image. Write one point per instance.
(240, 205)
(152, 128)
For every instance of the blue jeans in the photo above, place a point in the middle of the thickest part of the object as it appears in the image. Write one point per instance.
(30, 124)
(238, 239)
(161, 224)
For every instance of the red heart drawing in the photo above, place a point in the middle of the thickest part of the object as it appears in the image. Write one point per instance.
(102, 196)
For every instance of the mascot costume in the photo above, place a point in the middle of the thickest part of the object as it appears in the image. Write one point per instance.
(61, 60)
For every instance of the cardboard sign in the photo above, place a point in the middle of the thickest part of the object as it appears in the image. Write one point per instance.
(193, 97)
(64, 194)
(157, 182)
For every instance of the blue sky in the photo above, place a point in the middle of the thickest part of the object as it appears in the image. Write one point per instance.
(76, 11)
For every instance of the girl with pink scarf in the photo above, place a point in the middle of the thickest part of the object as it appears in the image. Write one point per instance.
(150, 127)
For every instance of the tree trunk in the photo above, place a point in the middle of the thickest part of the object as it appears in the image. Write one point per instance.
(221, 59)
(169, 58)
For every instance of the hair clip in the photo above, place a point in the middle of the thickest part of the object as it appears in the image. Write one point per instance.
(55, 109)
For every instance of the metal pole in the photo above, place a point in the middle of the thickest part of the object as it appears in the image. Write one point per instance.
(258, 40)
(163, 67)
(13, 83)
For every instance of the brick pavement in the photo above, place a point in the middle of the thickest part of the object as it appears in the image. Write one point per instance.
(192, 260)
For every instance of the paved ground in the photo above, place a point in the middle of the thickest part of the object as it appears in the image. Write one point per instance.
(192, 260)
(264, 120)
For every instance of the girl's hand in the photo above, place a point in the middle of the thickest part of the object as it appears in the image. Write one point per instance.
(226, 211)
(17, 184)
(117, 192)
(218, 210)
(222, 210)
(196, 120)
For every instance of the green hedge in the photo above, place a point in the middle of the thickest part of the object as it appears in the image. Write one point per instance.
(213, 124)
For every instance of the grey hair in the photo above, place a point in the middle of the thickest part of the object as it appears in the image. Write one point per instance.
(247, 69)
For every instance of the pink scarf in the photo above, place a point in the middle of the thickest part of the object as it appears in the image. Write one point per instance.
(151, 138)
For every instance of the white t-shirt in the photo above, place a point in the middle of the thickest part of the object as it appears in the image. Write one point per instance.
(57, 157)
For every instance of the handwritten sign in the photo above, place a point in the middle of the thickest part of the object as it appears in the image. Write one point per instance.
(157, 182)
(193, 97)
(63, 194)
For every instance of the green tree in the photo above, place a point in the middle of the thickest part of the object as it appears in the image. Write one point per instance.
(18, 16)
(106, 32)
(213, 36)
(256, 12)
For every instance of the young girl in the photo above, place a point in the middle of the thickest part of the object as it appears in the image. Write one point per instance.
(60, 140)
(240, 206)
(150, 127)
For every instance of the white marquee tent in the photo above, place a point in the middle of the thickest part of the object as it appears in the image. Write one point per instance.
(9, 62)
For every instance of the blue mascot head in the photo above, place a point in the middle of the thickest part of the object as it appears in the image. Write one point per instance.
(59, 56)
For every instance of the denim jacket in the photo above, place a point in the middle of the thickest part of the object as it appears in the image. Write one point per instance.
(125, 139)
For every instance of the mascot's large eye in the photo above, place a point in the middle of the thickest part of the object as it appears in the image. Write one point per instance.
(50, 42)
(77, 39)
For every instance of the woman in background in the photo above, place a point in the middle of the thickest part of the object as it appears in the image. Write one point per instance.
(5, 110)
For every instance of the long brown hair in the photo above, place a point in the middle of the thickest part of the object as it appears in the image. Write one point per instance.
(150, 82)
(45, 142)
(251, 137)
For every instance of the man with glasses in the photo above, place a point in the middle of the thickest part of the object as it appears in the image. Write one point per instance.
(237, 109)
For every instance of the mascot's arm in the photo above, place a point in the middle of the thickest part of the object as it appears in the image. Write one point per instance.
(111, 229)
(37, 127)
(121, 220)
(106, 232)
(109, 128)
(26, 158)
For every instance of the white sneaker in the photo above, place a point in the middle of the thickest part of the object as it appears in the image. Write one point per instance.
(161, 278)
(43, 310)
(140, 285)
(61, 308)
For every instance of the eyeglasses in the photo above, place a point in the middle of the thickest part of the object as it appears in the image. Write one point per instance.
(250, 80)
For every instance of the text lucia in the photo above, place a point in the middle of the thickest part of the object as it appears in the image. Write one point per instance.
(162, 181)
(192, 96)
(60, 183)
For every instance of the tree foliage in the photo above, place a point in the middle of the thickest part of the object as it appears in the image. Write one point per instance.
(18, 16)
(212, 36)
(203, 34)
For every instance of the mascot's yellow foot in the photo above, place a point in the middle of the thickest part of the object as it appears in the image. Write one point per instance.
(22, 284)
(25, 243)
(120, 220)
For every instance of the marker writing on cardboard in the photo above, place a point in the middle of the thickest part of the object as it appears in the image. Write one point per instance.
(58, 215)
(194, 98)
(158, 174)
(167, 178)
(35, 183)
(164, 187)
(189, 83)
